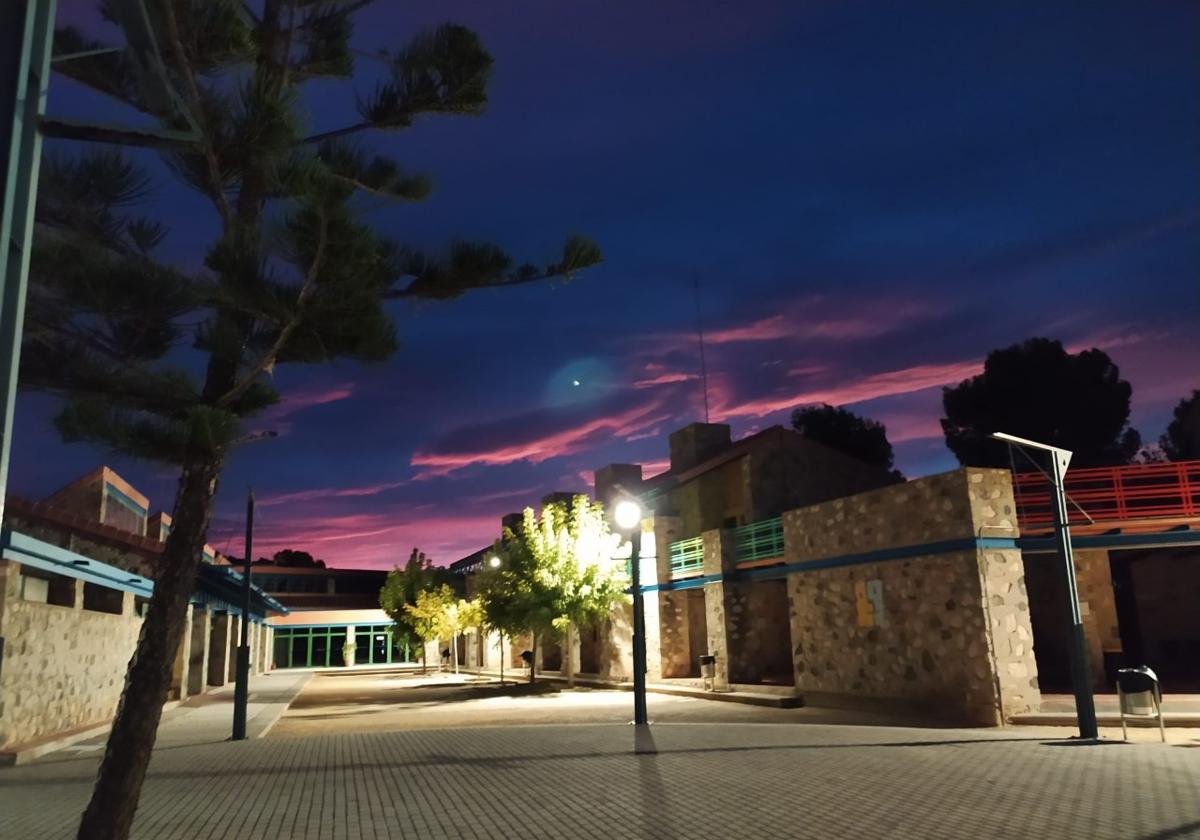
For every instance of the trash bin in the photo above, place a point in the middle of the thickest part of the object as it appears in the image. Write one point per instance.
(1140, 696)
(708, 671)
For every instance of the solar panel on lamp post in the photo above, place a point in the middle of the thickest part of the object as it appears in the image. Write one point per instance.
(1060, 460)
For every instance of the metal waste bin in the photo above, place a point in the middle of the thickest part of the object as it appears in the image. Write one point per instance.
(1140, 696)
(708, 671)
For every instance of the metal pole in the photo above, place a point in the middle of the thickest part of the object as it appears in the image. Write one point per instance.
(241, 690)
(1085, 707)
(639, 627)
(26, 33)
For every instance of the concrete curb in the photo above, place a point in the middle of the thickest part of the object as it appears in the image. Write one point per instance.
(274, 711)
(748, 698)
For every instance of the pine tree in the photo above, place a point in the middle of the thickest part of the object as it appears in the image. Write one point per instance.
(295, 275)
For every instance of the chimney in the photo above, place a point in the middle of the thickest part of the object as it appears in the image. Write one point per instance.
(626, 476)
(696, 443)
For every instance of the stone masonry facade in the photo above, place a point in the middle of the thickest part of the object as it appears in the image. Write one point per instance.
(64, 666)
(946, 632)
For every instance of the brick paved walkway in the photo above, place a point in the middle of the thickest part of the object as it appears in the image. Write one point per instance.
(585, 781)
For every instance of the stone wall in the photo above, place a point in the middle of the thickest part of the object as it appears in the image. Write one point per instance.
(759, 632)
(144, 564)
(1093, 576)
(788, 472)
(946, 632)
(64, 667)
(1166, 583)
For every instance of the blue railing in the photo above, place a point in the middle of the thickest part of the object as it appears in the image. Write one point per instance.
(759, 541)
(687, 556)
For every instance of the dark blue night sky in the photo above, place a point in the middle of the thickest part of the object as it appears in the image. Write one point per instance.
(870, 195)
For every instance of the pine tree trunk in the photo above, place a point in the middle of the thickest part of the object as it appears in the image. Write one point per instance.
(502, 660)
(110, 813)
(454, 651)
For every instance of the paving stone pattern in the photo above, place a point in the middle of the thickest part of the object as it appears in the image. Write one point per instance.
(695, 781)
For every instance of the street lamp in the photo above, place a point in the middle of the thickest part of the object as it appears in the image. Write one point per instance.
(241, 686)
(628, 516)
(1060, 459)
(494, 561)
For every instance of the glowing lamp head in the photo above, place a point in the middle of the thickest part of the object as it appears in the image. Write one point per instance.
(494, 562)
(628, 514)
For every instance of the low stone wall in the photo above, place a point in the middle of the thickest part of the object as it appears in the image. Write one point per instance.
(64, 667)
(945, 631)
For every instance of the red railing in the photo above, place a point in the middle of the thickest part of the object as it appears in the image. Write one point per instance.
(1112, 494)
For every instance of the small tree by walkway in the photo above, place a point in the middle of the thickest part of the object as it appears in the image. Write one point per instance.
(402, 587)
(427, 616)
(557, 574)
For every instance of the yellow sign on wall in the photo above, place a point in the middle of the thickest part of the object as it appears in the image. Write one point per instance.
(868, 602)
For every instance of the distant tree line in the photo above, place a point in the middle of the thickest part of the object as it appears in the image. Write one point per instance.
(1035, 389)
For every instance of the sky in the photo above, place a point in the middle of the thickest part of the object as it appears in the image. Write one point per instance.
(868, 198)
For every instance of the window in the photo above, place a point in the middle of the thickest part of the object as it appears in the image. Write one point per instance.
(323, 647)
(35, 589)
(102, 599)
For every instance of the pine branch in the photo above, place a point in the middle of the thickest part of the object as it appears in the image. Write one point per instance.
(267, 360)
(216, 189)
(147, 138)
(481, 266)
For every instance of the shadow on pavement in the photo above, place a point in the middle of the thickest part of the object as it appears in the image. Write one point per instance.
(501, 762)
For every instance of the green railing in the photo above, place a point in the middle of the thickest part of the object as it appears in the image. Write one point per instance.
(687, 556)
(759, 540)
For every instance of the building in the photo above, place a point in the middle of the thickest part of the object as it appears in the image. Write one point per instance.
(333, 619)
(76, 572)
(805, 572)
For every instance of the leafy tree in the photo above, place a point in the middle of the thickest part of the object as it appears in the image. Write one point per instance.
(1038, 390)
(515, 597)
(164, 363)
(557, 574)
(402, 587)
(460, 616)
(1182, 439)
(427, 616)
(848, 433)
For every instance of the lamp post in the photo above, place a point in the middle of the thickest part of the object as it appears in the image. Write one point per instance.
(494, 563)
(1085, 705)
(628, 515)
(241, 689)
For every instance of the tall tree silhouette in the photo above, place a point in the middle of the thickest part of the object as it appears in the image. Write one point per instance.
(1182, 439)
(1038, 390)
(294, 276)
(847, 432)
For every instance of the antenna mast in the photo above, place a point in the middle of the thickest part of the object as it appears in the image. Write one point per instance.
(700, 336)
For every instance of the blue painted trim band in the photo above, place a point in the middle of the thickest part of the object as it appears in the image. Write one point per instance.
(1161, 539)
(124, 500)
(860, 558)
(32, 552)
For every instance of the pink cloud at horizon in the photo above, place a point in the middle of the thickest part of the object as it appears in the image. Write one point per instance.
(329, 493)
(874, 386)
(374, 540)
(575, 438)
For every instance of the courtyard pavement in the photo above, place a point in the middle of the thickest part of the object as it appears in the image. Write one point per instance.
(689, 780)
(599, 781)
